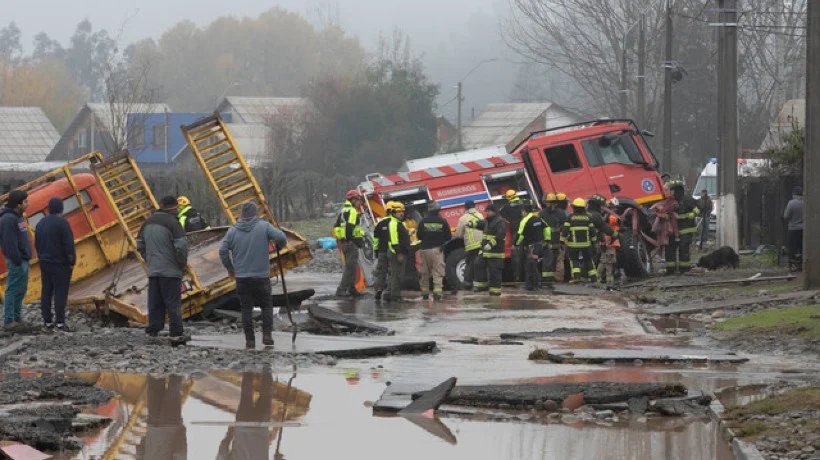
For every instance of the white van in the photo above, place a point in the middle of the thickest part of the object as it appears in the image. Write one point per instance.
(746, 167)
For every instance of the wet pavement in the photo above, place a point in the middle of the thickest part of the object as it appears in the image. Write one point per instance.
(327, 410)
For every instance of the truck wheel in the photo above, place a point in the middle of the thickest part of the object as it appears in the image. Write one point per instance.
(454, 268)
(633, 255)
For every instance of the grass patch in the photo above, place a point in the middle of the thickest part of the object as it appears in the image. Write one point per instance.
(753, 288)
(804, 321)
(312, 229)
(798, 399)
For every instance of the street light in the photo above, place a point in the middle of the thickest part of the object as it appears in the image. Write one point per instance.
(460, 99)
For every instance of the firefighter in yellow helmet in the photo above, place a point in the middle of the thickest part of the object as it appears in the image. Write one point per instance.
(381, 238)
(398, 245)
(490, 264)
(511, 212)
(579, 234)
(189, 217)
(467, 230)
(678, 251)
(532, 235)
(350, 234)
(552, 268)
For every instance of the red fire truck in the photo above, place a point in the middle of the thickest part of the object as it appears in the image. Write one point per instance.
(608, 157)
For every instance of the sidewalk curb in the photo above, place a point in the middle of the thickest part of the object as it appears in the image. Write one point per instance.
(741, 449)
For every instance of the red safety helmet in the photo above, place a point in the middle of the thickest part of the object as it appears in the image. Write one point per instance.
(352, 194)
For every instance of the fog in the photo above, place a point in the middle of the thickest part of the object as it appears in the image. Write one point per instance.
(452, 36)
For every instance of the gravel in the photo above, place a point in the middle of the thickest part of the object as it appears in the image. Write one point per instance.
(324, 261)
(131, 350)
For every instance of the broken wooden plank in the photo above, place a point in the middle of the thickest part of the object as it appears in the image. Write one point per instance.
(430, 400)
(728, 304)
(328, 316)
(433, 426)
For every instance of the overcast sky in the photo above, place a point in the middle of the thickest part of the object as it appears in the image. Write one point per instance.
(453, 35)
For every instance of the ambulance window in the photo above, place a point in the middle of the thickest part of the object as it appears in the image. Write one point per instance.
(562, 158)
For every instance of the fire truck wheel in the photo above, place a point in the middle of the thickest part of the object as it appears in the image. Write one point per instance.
(454, 269)
(633, 255)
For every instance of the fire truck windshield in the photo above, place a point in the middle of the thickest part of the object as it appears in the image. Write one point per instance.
(613, 149)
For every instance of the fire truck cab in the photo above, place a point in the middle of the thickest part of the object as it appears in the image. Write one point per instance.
(607, 157)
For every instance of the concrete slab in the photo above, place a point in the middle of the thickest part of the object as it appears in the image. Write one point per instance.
(430, 400)
(576, 289)
(334, 318)
(678, 309)
(397, 396)
(656, 355)
(527, 394)
(339, 347)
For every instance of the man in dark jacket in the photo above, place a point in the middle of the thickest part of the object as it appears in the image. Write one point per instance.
(489, 267)
(432, 233)
(54, 242)
(244, 253)
(678, 250)
(705, 205)
(162, 243)
(16, 247)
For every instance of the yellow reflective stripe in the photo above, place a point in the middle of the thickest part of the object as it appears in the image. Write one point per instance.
(686, 231)
(493, 255)
(479, 284)
(649, 199)
(578, 245)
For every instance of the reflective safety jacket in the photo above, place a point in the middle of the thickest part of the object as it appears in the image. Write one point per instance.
(433, 231)
(398, 239)
(687, 210)
(579, 231)
(468, 229)
(495, 232)
(554, 219)
(615, 224)
(532, 230)
(381, 234)
(191, 220)
(347, 224)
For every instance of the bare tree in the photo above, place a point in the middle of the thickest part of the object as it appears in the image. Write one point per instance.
(130, 97)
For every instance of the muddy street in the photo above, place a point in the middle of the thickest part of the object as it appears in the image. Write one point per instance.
(563, 376)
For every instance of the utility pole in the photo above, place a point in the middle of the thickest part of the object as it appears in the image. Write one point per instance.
(641, 98)
(811, 155)
(458, 122)
(624, 84)
(666, 161)
(727, 231)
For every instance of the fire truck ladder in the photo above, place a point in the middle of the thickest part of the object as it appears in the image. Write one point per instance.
(133, 202)
(225, 167)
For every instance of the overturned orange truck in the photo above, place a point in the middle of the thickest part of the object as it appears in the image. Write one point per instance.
(106, 201)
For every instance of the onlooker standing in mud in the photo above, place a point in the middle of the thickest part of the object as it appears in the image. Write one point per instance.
(54, 242)
(705, 205)
(161, 242)
(244, 253)
(166, 436)
(16, 247)
(794, 218)
(433, 233)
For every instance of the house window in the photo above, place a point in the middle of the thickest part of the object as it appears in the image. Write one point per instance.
(158, 136)
(82, 140)
(562, 158)
(138, 137)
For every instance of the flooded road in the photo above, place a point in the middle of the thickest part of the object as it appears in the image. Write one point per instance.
(227, 415)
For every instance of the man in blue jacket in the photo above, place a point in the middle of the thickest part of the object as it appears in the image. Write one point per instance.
(16, 247)
(244, 253)
(54, 242)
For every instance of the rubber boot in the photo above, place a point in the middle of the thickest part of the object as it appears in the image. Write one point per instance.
(250, 344)
(437, 297)
(267, 339)
(425, 296)
(378, 296)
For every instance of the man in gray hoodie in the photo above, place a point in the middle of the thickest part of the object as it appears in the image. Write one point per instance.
(244, 253)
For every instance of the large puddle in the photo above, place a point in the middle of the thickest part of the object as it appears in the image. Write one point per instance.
(228, 415)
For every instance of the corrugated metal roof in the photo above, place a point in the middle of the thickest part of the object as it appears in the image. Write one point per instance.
(499, 124)
(792, 114)
(26, 135)
(256, 110)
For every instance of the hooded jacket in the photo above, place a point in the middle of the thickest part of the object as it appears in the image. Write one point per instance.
(162, 243)
(53, 237)
(14, 240)
(244, 249)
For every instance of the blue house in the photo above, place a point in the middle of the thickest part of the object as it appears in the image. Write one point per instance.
(156, 138)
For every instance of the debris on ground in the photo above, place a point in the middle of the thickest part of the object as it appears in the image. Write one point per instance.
(336, 323)
(783, 426)
(44, 412)
(558, 332)
(131, 350)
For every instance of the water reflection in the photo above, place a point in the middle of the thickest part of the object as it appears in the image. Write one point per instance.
(165, 436)
(244, 441)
